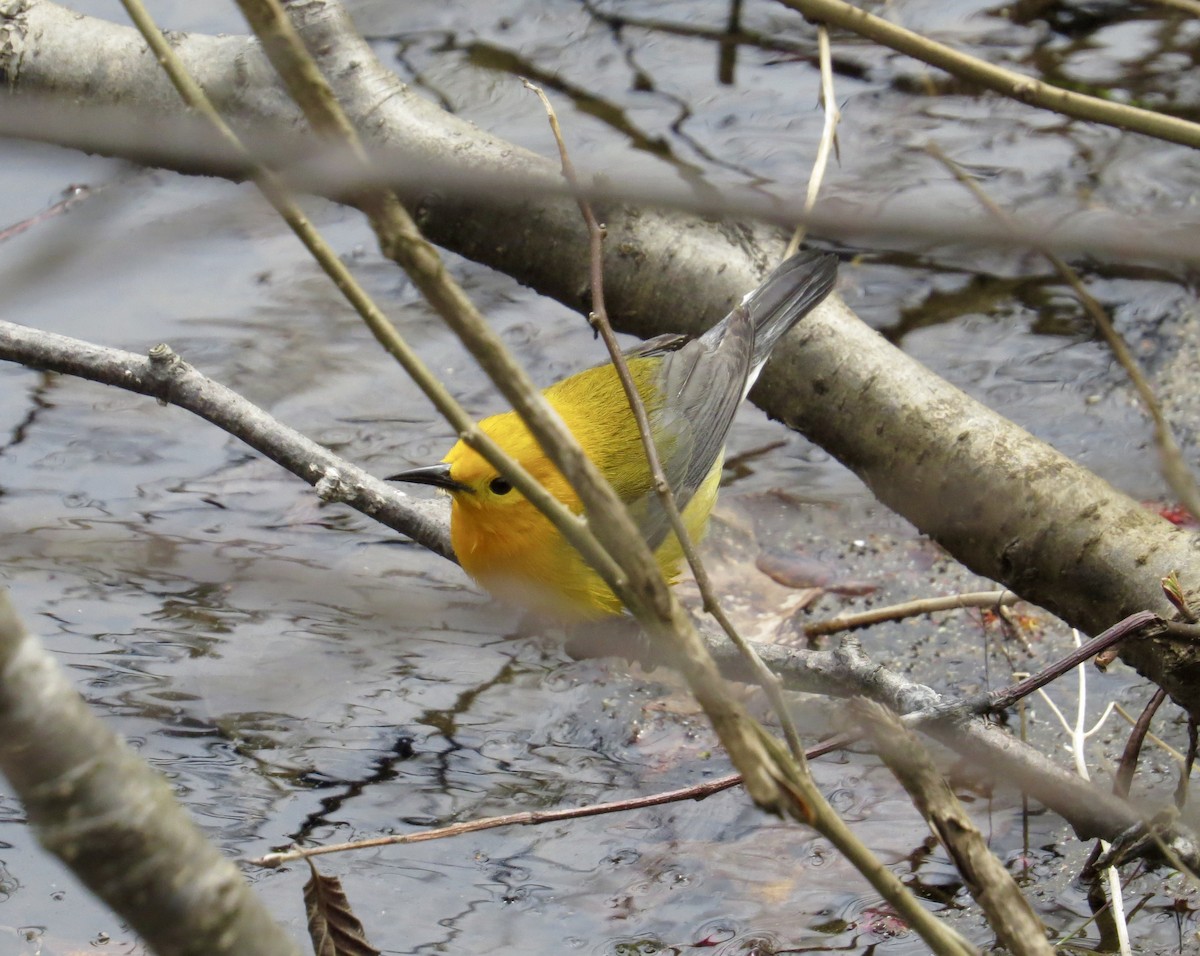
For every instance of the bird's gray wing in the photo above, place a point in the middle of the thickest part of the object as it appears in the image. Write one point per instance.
(701, 384)
(704, 380)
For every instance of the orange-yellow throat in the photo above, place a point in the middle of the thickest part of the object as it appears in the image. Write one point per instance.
(691, 390)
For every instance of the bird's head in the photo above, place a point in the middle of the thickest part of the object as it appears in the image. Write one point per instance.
(475, 484)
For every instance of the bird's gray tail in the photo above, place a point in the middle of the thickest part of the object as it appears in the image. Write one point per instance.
(785, 296)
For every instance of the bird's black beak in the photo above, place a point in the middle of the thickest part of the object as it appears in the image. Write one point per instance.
(437, 475)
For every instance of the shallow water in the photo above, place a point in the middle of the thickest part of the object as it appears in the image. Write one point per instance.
(299, 673)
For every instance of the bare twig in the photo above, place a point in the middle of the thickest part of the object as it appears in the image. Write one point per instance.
(166, 377)
(1127, 765)
(1143, 625)
(662, 487)
(1126, 769)
(828, 139)
(769, 776)
(1078, 737)
(1014, 85)
(992, 886)
(847, 671)
(1173, 753)
(527, 818)
(896, 612)
(1189, 760)
(181, 142)
(72, 196)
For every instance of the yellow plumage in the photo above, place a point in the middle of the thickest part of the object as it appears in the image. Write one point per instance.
(510, 548)
(691, 390)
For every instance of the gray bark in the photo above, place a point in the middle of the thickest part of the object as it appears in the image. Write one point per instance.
(97, 806)
(166, 377)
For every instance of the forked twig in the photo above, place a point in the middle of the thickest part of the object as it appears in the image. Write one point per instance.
(1078, 736)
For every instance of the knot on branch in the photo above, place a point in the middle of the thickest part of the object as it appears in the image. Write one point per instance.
(163, 356)
(1024, 90)
(332, 486)
(165, 364)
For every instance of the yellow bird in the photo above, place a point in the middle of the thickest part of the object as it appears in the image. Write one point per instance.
(691, 389)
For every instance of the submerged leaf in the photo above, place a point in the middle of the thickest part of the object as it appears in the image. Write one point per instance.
(332, 925)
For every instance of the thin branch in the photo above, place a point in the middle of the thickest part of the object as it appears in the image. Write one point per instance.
(1078, 738)
(170, 380)
(1013, 85)
(527, 818)
(182, 143)
(896, 612)
(1189, 760)
(1127, 765)
(770, 778)
(1144, 625)
(599, 320)
(992, 886)
(828, 139)
(1153, 738)
(662, 487)
(846, 671)
(72, 197)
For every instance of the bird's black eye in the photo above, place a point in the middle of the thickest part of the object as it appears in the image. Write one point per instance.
(499, 486)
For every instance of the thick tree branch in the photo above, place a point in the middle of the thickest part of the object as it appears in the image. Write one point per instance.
(99, 808)
(1003, 503)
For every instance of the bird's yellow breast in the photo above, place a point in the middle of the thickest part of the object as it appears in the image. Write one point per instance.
(513, 550)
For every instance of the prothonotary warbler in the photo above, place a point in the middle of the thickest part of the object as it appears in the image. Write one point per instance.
(691, 389)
